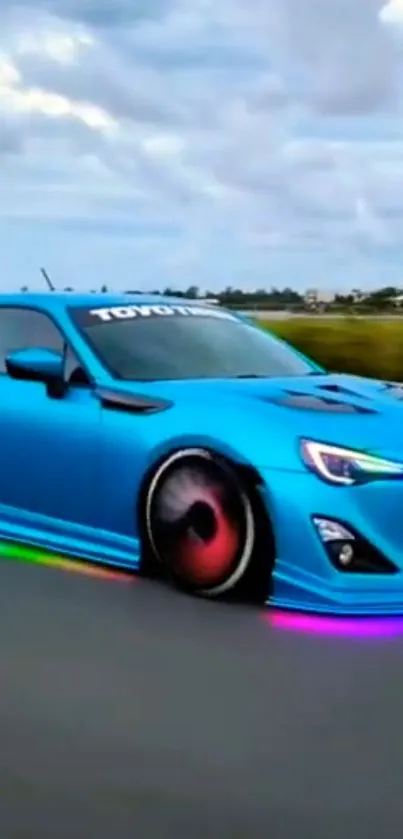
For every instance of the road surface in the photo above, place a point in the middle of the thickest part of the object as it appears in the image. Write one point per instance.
(127, 710)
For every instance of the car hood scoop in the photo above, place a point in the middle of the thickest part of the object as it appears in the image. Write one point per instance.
(347, 410)
(316, 402)
(329, 395)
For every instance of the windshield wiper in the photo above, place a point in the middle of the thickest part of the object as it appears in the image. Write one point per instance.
(317, 373)
(251, 376)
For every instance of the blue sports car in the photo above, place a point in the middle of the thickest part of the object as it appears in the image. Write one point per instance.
(177, 438)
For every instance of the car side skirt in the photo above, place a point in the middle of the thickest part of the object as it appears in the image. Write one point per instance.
(71, 540)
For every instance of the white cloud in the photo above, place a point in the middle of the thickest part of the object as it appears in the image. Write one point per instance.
(392, 12)
(196, 141)
(56, 44)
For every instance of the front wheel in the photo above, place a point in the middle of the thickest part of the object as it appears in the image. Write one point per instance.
(200, 522)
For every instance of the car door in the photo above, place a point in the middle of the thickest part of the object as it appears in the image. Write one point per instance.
(49, 448)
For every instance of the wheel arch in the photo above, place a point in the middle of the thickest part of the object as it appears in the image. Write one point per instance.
(249, 473)
(253, 483)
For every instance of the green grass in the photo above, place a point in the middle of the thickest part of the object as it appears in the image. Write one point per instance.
(368, 347)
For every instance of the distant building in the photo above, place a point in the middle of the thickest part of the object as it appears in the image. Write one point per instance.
(315, 297)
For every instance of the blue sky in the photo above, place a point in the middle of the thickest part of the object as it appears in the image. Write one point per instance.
(148, 143)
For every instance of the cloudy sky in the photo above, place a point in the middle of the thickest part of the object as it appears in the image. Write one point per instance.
(147, 143)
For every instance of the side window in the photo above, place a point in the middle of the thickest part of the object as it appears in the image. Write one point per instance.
(22, 328)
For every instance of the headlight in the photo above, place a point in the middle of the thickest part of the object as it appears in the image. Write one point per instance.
(346, 466)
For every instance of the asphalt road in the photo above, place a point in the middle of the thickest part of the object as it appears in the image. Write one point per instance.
(127, 710)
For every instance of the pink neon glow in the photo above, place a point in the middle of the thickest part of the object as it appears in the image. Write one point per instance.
(347, 627)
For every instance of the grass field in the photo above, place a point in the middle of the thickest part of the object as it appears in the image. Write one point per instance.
(366, 346)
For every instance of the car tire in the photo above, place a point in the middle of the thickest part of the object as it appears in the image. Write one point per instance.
(200, 523)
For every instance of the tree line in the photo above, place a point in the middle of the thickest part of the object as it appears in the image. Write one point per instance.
(290, 299)
(276, 299)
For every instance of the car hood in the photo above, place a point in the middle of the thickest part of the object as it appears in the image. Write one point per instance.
(347, 410)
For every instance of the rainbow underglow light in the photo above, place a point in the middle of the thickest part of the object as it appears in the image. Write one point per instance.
(375, 627)
(25, 553)
(356, 627)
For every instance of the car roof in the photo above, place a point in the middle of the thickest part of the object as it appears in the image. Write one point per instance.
(52, 300)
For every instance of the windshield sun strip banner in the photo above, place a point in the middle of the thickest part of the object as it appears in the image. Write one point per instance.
(90, 317)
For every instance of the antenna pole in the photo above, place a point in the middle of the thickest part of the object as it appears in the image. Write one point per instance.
(47, 279)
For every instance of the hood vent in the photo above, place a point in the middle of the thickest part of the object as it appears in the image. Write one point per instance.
(306, 402)
(342, 390)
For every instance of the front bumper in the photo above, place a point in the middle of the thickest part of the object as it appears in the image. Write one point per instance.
(304, 578)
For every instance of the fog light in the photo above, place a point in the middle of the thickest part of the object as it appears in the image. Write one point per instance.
(348, 550)
(338, 541)
(342, 554)
(346, 554)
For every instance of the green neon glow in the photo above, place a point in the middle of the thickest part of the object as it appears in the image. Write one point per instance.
(25, 553)
(35, 556)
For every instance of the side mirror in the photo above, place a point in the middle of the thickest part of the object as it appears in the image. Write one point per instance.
(35, 365)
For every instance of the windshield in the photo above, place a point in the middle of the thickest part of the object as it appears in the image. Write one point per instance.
(161, 342)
